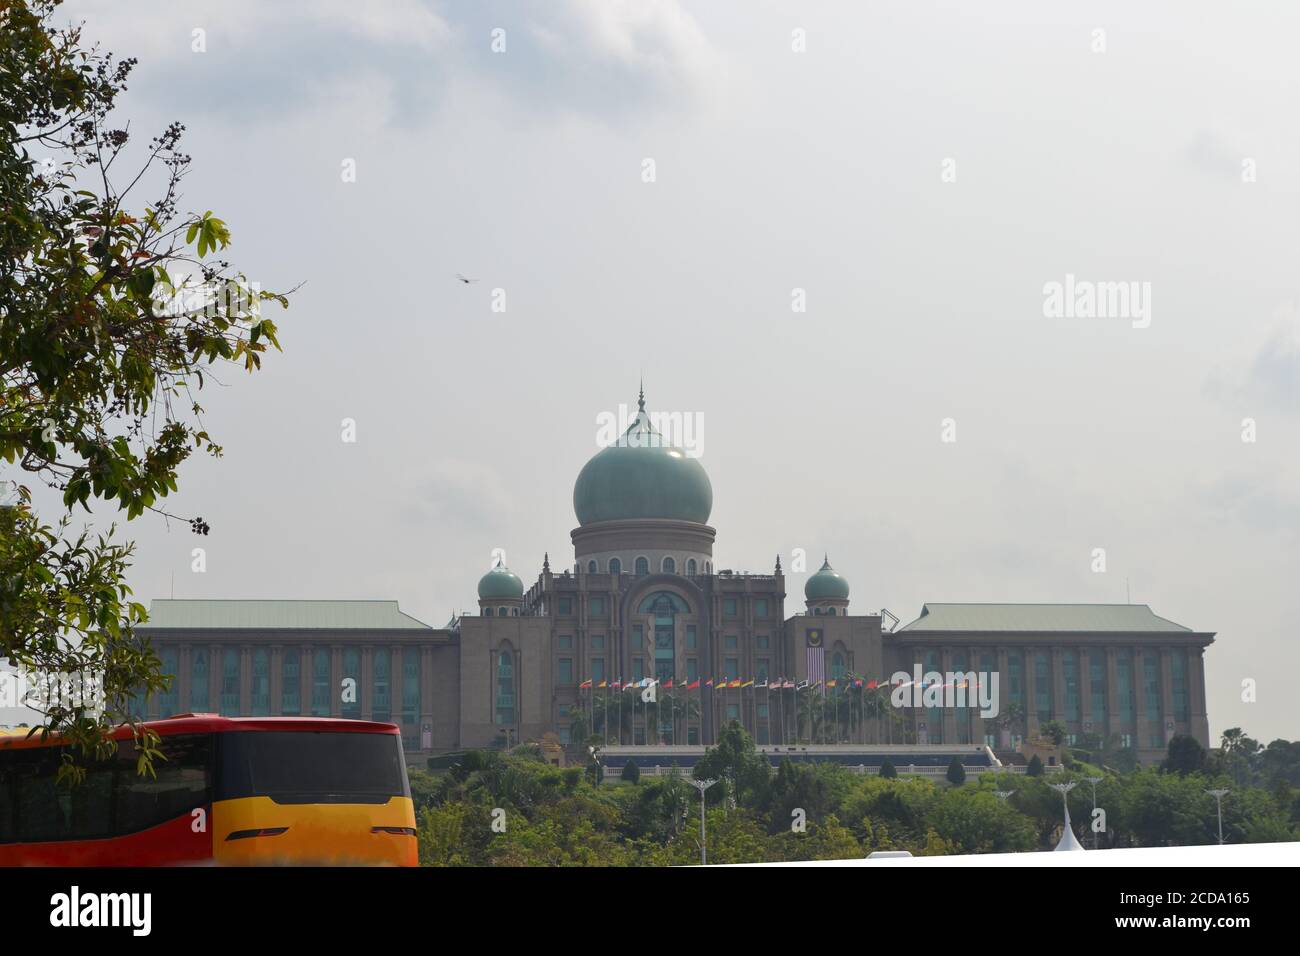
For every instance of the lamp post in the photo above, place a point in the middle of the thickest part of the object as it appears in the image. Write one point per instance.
(1218, 796)
(1094, 781)
(702, 785)
(1068, 841)
(1003, 794)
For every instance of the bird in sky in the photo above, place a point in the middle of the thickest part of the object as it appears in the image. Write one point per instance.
(465, 279)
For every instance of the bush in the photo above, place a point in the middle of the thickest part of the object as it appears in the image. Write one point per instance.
(956, 772)
(887, 769)
(631, 772)
(1035, 768)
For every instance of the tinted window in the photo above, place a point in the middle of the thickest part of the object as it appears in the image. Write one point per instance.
(311, 767)
(112, 799)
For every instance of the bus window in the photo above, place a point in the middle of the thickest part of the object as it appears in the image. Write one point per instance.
(317, 767)
(180, 783)
(47, 810)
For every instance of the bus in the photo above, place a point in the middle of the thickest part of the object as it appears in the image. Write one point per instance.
(227, 790)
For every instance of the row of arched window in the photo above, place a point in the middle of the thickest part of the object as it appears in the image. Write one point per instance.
(642, 566)
(501, 612)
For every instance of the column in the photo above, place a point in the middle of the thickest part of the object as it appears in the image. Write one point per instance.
(1166, 693)
(245, 677)
(366, 692)
(276, 680)
(336, 680)
(1029, 670)
(216, 663)
(1088, 721)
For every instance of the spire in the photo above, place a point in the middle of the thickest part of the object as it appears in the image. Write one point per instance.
(826, 562)
(546, 561)
(778, 564)
(640, 402)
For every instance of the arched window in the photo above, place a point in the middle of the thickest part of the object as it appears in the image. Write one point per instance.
(642, 566)
(505, 688)
(837, 666)
(501, 612)
(669, 566)
(592, 567)
(514, 612)
(487, 612)
(691, 567)
(615, 566)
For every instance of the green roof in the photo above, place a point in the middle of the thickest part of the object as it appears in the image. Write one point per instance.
(1041, 618)
(283, 615)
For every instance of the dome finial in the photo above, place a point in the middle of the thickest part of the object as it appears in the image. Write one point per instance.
(640, 402)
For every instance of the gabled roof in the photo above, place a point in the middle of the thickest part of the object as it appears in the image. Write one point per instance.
(281, 615)
(1042, 618)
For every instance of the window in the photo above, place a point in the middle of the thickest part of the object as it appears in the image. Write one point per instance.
(352, 672)
(731, 642)
(669, 566)
(1042, 687)
(691, 567)
(638, 669)
(514, 612)
(733, 668)
(487, 612)
(1124, 675)
(597, 604)
(566, 605)
(199, 679)
(692, 642)
(230, 681)
(1126, 740)
(566, 670)
(733, 712)
(1015, 678)
(501, 612)
(592, 567)
(180, 783)
(642, 566)
(411, 697)
(729, 607)
(638, 636)
(1178, 685)
(566, 732)
(693, 736)
(760, 607)
(598, 642)
(615, 566)
(566, 642)
(505, 703)
(259, 697)
(381, 705)
(764, 665)
(597, 669)
(692, 669)
(169, 700)
(763, 642)
(1071, 669)
(837, 666)
(320, 682)
(1097, 685)
(290, 682)
(1151, 686)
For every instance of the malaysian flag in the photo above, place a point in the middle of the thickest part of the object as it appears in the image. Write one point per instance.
(816, 665)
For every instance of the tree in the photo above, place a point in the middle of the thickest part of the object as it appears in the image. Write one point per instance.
(1054, 731)
(110, 321)
(1035, 768)
(956, 772)
(631, 772)
(736, 761)
(1185, 755)
(887, 769)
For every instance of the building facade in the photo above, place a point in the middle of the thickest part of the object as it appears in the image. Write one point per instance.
(644, 641)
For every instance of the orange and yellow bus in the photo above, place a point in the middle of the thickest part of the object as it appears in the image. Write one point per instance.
(229, 790)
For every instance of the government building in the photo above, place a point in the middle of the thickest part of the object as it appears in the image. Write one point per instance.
(642, 639)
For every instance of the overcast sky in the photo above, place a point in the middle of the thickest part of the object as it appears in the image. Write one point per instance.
(1167, 158)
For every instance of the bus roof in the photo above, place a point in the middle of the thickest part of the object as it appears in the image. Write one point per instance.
(216, 724)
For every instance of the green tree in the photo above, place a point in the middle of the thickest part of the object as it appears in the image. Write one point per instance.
(631, 772)
(887, 769)
(1035, 768)
(736, 761)
(1054, 731)
(103, 345)
(1185, 755)
(956, 772)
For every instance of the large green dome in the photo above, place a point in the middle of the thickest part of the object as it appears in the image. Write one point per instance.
(642, 476)
(500, 584)
(826, 585)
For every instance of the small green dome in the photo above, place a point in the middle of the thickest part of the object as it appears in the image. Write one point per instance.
(642, 476)
(826, 585)
(500, 584)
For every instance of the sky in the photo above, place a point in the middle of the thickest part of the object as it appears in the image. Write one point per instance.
(922, 171)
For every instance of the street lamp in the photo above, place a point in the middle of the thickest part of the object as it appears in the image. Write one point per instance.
(702, 785)
(1094, 781)
(1218, 796)
(1003, 794)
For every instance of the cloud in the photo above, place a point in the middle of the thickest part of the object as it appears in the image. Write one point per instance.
(1272, 380)
(1210, 153)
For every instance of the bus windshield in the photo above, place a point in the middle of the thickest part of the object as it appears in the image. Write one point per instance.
(311, 767)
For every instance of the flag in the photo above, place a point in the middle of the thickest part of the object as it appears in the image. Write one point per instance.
(816, 660)
(694, 685)
(709, 682)
(585, 685)
(788, 685)
(668, 684)
(872, 685)
(831, 682)
(602, 684)
(762, 686)
(748, 683)
(618, 684)
(735, 683)
(801, 685)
